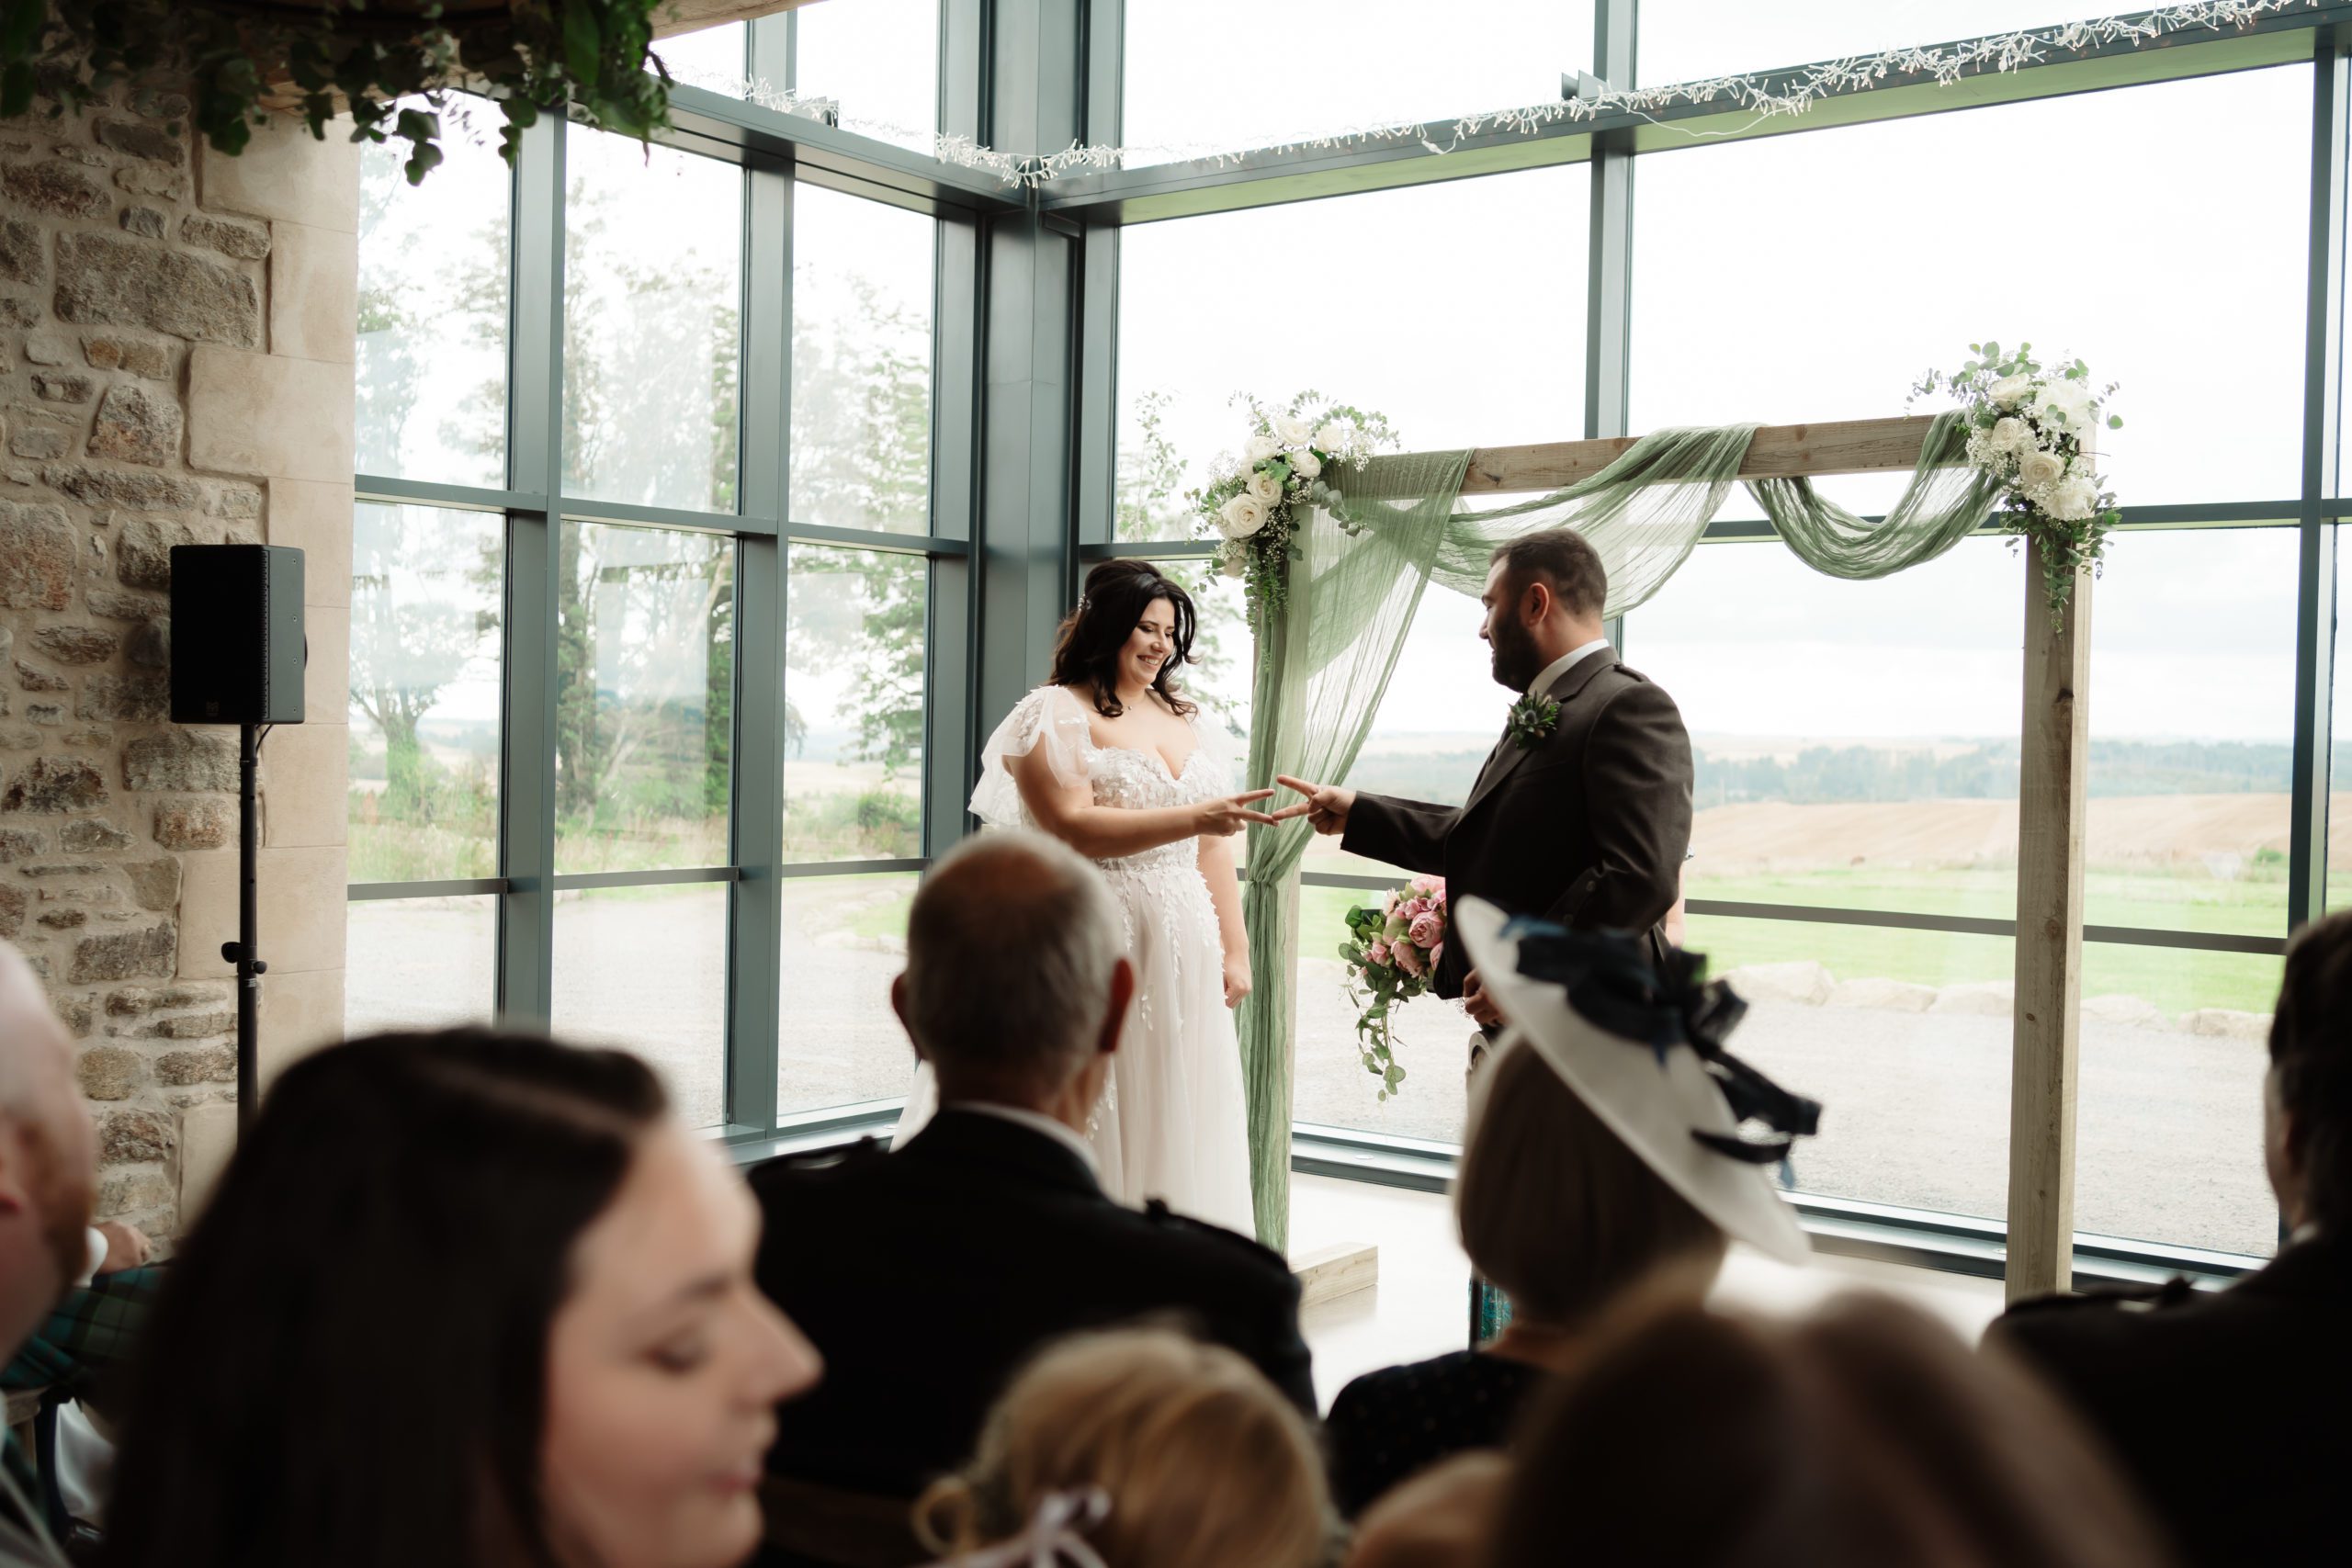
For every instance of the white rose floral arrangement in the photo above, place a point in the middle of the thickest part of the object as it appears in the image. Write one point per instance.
(2028, 426)
(1290, 460)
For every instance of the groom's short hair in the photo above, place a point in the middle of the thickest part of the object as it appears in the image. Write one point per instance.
(1563, 561)
(1011, 945)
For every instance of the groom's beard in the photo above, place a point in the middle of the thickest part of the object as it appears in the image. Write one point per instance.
(1516, 659)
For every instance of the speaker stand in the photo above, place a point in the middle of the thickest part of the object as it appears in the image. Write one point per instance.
(243, 952)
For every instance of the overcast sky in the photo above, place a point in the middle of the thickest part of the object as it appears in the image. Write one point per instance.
(1802, 277)
(1796, 277)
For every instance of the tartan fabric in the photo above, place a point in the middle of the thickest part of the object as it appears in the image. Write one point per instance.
(1489, 1311)
(92, 1331)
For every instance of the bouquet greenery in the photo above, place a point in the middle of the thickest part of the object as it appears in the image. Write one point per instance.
(1392, 954)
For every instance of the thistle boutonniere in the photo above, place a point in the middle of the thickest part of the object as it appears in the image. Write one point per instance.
(1533, 718)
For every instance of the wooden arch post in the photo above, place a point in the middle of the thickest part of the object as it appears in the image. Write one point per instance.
(2053, 754)
(2053, 750)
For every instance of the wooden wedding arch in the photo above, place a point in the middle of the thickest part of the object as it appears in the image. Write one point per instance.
(2046, 1025)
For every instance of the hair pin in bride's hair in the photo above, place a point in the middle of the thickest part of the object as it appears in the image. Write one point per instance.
(1055, 1536)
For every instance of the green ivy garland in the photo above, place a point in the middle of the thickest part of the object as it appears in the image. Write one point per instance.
(237, 61)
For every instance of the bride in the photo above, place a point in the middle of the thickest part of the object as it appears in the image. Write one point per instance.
(1112, 759)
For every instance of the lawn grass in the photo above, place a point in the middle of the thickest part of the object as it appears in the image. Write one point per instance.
(2251, 905)
(2174, 979)
(873, 906)
(878, 902)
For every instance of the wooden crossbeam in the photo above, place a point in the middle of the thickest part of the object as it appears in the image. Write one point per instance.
(692, 15)
(1778, 451)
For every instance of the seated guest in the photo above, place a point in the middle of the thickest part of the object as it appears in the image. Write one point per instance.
(2227, 1406)
(48, 1179)
(84, 1336)
(1441, 1518)
(1864, 1436)
(1581, 1180)
(926, 1276)
(1138, 1449)
(533, 1340)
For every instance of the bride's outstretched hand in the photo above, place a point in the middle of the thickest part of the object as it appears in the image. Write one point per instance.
(1228, 815)
(1326, 806)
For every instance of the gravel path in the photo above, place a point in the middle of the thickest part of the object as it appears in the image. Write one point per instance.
(1916, 1112)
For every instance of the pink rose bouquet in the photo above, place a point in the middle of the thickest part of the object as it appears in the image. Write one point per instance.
(1391, 953)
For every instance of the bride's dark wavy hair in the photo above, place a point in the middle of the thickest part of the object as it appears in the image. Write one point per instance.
(1086, 648)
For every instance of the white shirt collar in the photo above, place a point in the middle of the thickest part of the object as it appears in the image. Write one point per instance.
(1565, 663)
(1036, 1122)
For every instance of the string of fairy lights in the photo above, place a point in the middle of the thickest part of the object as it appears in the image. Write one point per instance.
(1764, 94)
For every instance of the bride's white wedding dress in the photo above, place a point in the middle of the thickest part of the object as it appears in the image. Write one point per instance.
(1171, 1124)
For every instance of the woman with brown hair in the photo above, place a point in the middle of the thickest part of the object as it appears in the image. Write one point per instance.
(1864, 1436)
(533, 1340)
(1112, 757)
(1136, 1448)
(1580, 1181)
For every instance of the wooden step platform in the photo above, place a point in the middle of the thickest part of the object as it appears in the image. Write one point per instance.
(1326, 1273)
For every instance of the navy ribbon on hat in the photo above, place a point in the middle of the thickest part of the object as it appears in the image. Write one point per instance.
(1615, 987)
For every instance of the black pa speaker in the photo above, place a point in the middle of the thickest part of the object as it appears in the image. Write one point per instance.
(237, 649)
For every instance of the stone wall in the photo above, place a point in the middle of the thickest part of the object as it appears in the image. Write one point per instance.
(176, 351)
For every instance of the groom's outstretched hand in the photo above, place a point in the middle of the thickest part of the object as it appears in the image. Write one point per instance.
(1326, 806)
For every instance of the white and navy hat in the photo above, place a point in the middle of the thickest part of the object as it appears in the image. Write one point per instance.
(1644, 1051)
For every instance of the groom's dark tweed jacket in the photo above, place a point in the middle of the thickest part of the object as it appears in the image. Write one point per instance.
(1588, 828)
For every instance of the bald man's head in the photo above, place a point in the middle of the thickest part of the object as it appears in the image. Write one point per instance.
(1011, 949)
(46, 1154)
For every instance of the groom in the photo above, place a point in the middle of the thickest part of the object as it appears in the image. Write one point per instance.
(1582, 813)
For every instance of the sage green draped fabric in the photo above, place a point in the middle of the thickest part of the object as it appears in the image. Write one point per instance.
(1322, 667)
(1324, 663)
(1945, 501)
(1643, 513)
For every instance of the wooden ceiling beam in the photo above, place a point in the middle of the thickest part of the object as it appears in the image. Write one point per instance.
(692, 15)
(1778, 451)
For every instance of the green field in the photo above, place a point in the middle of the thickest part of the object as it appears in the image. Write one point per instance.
(2173, 979)
(2252, 904)
(873, 906)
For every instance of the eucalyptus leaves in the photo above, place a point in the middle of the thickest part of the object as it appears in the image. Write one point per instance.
(1289, 460)
(2027, 426)
(1391, 953)
(235, 60)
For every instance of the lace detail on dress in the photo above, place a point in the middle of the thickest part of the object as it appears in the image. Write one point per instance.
(1053, 717)
(1171, 1122)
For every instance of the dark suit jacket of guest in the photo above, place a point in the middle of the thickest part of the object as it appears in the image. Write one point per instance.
(929, 1276)
(1588, 828)
(2227, 1408)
